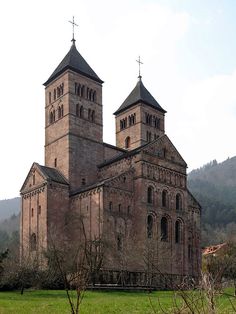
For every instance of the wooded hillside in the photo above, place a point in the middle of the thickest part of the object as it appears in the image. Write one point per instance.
(214, 186)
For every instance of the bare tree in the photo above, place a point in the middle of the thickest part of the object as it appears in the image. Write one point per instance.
(77, 261)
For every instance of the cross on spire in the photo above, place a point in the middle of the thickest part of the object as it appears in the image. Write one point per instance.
(139, 63)
(73, 25)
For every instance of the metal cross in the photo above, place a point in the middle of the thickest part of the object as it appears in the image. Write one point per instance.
(73, 24)
(139, 63)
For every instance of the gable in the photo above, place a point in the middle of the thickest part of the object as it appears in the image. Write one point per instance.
(34, 178)
(164, 149)
(123, 181)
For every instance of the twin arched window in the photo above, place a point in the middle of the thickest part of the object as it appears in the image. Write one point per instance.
(60, 111)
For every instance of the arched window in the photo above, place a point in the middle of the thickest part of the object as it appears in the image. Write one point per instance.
(125, 122)
(90, 94)
(93, 116)
(149, 136)
(150, 120)
(62, 110)
(178, 231)
(178, 202)
(127, 142)
(79, 90)
(164, 199)
(33, 242)
(149, 226)
(87, 94)
(150, 195)
(59, 112)
(81, 111)
(110, 206)
(119, 242)
(134, 118)
(164, 229)
(130, 120)
(82, 91)
(54, 115)
(62, 88)
(32, 212)
(94, 96)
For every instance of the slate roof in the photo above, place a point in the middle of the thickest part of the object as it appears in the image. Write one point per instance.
(75, 62)
(139, 94)
(53, 174)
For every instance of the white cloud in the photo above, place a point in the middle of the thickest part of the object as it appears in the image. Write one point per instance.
(208, 120)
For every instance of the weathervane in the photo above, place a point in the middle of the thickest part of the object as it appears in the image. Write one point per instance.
(139, 63)
(73, 25)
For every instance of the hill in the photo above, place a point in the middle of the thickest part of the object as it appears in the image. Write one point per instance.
(214, 186)
(9, 207)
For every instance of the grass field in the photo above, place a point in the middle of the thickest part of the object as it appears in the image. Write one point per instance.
(55, 302)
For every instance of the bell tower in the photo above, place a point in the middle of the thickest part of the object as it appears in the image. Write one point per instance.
(73, 119)
(140, 119)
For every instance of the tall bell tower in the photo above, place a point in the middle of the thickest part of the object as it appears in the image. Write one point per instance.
(73, 120)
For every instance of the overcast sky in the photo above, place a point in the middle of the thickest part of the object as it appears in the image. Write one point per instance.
(188, 48)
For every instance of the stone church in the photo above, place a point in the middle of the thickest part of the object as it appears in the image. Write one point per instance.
(134, 195)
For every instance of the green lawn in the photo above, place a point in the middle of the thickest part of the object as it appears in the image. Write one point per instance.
(53, 302)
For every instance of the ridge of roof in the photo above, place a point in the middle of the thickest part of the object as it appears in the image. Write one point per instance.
(75, 62)
(139, 94)
(97, 184)
(124, 155)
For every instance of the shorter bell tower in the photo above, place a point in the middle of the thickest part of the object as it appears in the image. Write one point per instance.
(140, 119)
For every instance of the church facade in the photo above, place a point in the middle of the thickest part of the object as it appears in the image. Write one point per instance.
(133, 195)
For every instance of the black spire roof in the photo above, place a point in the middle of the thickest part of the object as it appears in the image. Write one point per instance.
(139, 94)
(75, 62)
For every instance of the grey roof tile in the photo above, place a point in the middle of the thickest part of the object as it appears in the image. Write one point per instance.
(53, 174)
(75, 62)
(139, 94)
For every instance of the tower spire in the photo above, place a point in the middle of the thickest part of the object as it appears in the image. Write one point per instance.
(73, 28)
(139, 63)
